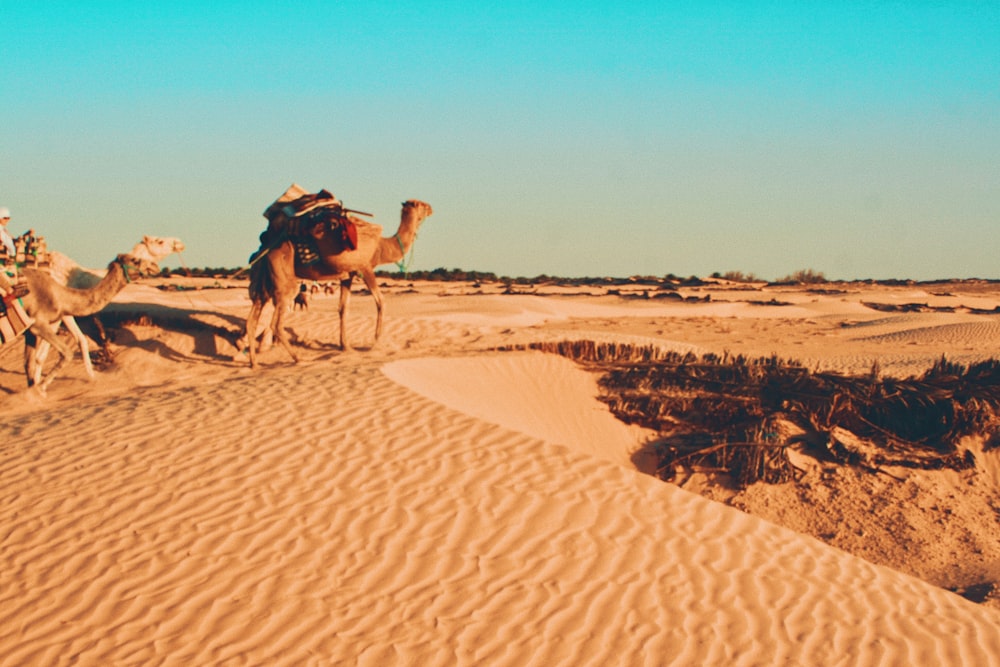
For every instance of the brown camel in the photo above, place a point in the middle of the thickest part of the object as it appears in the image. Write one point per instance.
(276, 276)
(48, 302)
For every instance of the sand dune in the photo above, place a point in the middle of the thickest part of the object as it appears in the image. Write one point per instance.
(541, 395)
(427, 501)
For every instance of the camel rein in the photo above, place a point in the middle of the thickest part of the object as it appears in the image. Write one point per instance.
(282, 237)
(404, 264)
(125, 268)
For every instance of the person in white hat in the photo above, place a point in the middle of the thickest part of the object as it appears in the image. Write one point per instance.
(5, 237)
(15, 319)
(8, 249)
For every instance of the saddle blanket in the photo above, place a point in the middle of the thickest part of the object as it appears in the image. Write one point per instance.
(306, 253)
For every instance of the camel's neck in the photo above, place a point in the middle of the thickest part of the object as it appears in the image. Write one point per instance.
(97, 297)
(395, 247)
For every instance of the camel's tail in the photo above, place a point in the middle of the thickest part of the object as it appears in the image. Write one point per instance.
(261, 283)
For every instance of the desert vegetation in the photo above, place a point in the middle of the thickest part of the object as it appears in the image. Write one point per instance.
(804, 277)
(740, 416)
(736, 277)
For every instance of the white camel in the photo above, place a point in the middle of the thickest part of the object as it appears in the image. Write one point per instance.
(66, 271)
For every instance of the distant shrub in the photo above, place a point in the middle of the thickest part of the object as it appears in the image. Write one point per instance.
(202, 272)
(804, 277)
(441, 274)
(736, 277)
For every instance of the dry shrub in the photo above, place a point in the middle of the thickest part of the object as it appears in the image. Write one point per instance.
(737, 277)
(721, 412)
(804, 277)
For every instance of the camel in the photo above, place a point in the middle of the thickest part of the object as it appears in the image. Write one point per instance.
(67, 272)
(48, 302)
(276, 275)
(151, 248)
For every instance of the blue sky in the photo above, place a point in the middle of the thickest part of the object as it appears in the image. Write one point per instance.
(858, 139)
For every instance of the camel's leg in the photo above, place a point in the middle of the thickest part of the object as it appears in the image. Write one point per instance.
(35, 353)
(48, 333)
(368, 275)
(65, 354)
(267, 336)
(345, 297)
(105, 341)
(282, 287)
(82, 343)
(282, 304)
(251, 334)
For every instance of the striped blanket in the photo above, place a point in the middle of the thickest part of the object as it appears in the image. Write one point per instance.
(13, 318)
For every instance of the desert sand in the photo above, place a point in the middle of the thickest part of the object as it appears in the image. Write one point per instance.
(430, 500)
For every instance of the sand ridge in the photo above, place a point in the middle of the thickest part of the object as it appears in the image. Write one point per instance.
(402, 538)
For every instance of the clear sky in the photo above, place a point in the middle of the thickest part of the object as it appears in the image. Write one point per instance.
(576, 138)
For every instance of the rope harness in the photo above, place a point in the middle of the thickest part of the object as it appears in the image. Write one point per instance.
(125, 267)
(404, 264)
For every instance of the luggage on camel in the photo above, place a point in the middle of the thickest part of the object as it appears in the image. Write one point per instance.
(31, 250)
(302, 218)
(290, 211)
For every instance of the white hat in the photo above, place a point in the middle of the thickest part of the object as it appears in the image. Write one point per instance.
(4, 212)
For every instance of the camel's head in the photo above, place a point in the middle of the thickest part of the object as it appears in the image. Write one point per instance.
(418, 209)
(155, 248)
(135, 266)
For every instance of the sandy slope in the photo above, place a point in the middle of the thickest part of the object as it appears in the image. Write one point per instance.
(427, 501)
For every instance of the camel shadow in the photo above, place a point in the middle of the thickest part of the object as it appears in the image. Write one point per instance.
(14, 377)
(204, 327)
(326, 348)
(214, 335)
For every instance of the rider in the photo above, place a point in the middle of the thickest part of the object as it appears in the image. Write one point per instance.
(5, 237)
(13, 319)
(8, 252)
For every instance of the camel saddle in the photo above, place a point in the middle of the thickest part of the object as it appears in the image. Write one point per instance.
(307, 251)
(302, 218)
(295, 202)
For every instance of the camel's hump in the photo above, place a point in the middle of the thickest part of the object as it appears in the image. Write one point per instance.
(367, 229)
